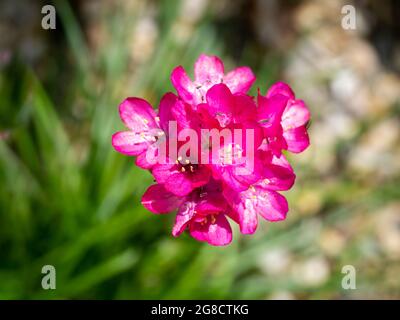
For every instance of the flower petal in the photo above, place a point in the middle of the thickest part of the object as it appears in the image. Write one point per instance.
(270, 111)
(244, 108)
(184, 86)
(280, 88)
(211, 203)
(243, 210)
(185, 116)
(162, 172)
(179, 184)
(271, 205)
(215, 230)
(277, 178)
(282, 162)
(185, 214)
(148, 158)
(295, 115)
(141, 161)
(248, 204)
(297, 139)
(220, 104)
(165, 110)
(240, 80)
(129, 143)
(208, 69)
(200, 176)
(137, 114)
(158, 200)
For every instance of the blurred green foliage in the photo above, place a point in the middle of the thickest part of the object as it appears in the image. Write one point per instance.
(68, 199)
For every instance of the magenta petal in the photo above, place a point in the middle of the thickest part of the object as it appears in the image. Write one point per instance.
(243, 210)
(179, 184)
(162, 172)
(212, 203)
(297, 139)
(185, 214)
(148, 158)
(200, 176)
(271, 205)
(295, 115)
(220, 104)
(199, 231)
(248, 220)
(141, 161)
(208, 69)
(137, 114)
(227, 176)
(255, 133)
(183, 85)
(220, 232)
(240, 80)
(240, 177)
(282, 162)
(165, 114)
(248, 179)
(244, 108)
(277, 178)
(270, 110)
(216, 232)
(184, 115)
(280, 88)
(208, 121)
(158, 200)
(129, 143)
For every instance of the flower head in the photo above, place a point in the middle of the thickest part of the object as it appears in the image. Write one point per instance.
(215, 152)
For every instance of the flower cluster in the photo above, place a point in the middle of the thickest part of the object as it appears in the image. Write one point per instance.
(241, 178)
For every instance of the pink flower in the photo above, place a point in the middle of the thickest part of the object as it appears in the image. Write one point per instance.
(284, 119)
(181, 177)
(262, 197)
(202, 212)
(140, 118)
(145, 127)
(209, 70)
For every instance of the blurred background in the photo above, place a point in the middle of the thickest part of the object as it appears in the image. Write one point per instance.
(67, 199)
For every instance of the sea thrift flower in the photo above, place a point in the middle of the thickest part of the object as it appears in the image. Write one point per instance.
(230, 163)
(284, 119)
(145, 127)
(181, 177)
(208, 71)
(262, 197)
(202, 212)
(138, 116)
